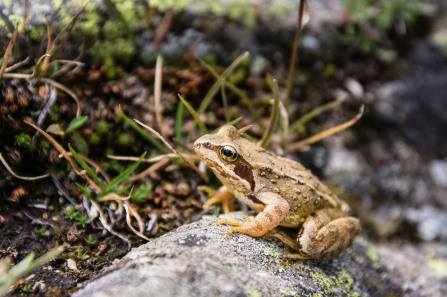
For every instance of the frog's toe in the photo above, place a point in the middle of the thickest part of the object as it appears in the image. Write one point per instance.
(230, 222)
(249, 219)
(222, 196)
(294, 256)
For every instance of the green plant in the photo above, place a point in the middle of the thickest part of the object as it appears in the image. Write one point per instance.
(235, 9)
(81, 255)
(89, 240)
(24, 140)
(70, 212)
(369, 22)
(98, 187)
(42, 230)
(27, 289)
(9, 276)
(141, 193)
(82, 220)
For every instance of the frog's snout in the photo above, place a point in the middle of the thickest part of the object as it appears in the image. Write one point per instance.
(199, 143)
(196, 146)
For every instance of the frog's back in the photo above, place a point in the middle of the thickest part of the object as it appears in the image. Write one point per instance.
(304, 192)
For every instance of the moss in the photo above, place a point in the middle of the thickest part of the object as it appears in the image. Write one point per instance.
(346, 282)
(36, 32)
(342, 280)
(438, 266)
(372, 254)
(131, 12)
(288, 293)
(253, 293)
(323, 279)
(164, 5)
(271, 253)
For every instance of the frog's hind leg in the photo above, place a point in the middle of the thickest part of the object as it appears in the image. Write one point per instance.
(326, 234)
(284, 238)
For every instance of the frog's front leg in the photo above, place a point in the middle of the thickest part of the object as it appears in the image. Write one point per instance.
(222, 196)
(274, 210)
(325, 234)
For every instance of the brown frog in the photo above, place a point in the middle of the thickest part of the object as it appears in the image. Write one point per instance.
(281, 191)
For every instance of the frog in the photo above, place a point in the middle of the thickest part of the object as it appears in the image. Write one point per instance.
(281, 191)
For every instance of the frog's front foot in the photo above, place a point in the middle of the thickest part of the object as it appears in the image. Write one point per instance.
(222, 196)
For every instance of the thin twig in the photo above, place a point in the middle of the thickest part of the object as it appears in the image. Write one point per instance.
(315, 112)
(36, 67)
(8, 52)
(129, 222)
(151, 160)
(67, 156)
(51, 100)
(203, 175)
(105, 224)
(326, 133)
(163, 28)
(302, 20)
(66, 90)
(59, 188)
(19, 176)
(66, 67)
(157, 94)
(17, 65)
(148, 171)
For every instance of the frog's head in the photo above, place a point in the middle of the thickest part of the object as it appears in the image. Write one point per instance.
(223, 154)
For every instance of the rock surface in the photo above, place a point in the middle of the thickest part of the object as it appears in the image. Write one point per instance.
(200, 259)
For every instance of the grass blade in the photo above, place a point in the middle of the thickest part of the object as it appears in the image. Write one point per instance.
(123, 176)
(87, 168)
(213, 90)
(179, 121)
(143, 133)
(194, 115)
(25, 267)
(232, 87)
(274, 116)
(76, 123)
(297, 126)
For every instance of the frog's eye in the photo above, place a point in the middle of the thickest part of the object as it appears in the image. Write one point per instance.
(228, 153)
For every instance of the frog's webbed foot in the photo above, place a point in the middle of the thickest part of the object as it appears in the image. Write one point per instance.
(222, 196)
(238, 224)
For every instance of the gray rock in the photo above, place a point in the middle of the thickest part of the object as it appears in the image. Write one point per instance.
(200, 259)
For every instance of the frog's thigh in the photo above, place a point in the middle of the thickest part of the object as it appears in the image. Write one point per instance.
(327, 233)
(274, 211)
